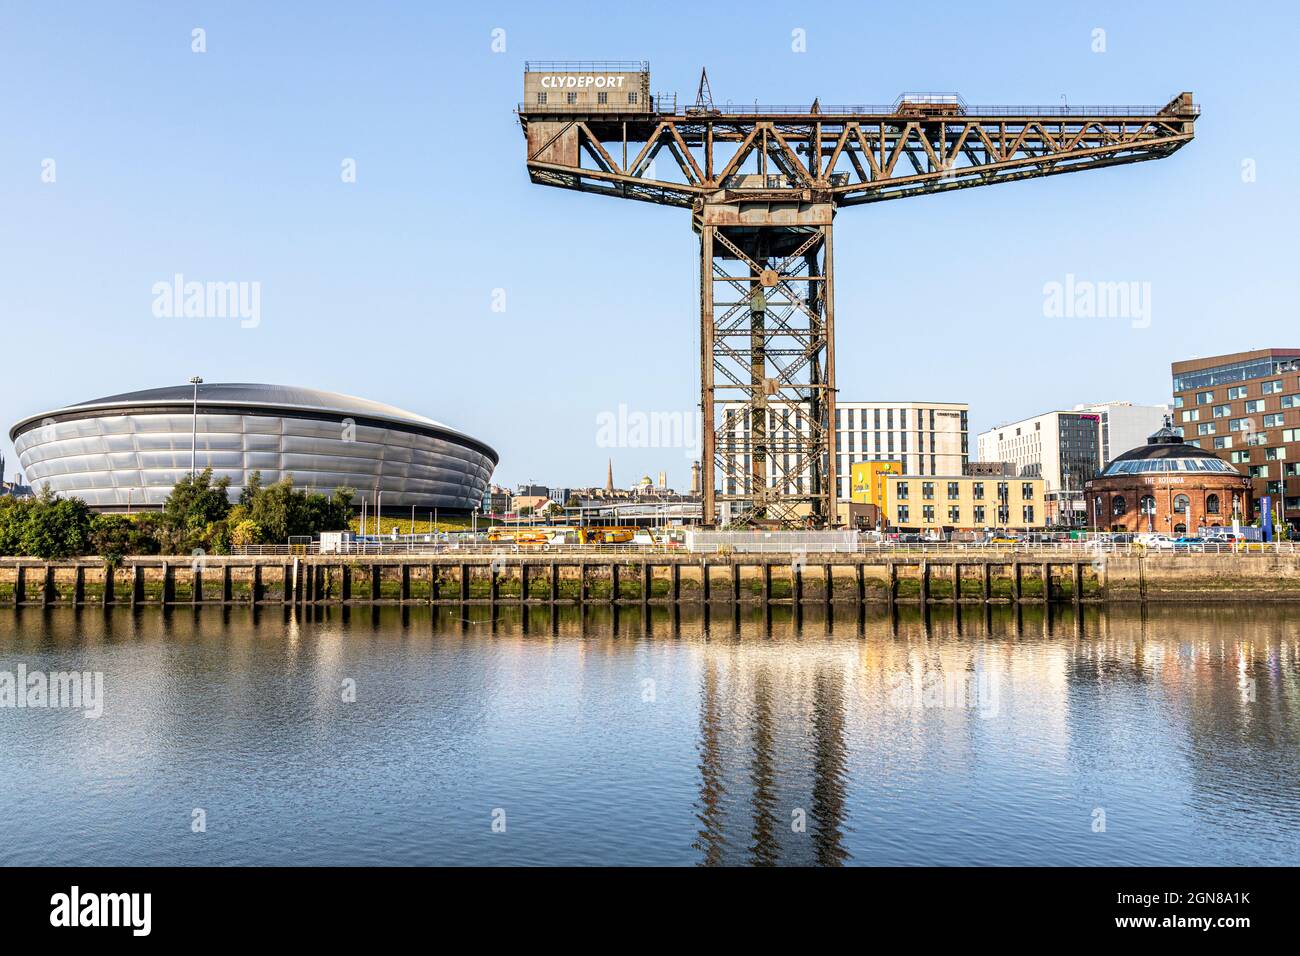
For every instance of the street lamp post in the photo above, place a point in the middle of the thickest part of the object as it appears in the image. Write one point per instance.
(196, 381)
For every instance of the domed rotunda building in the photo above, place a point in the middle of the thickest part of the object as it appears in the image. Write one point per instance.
(1168, 486)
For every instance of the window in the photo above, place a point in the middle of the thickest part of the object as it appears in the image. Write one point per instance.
(902, 514)
(1118, 506)
(1275, 454)
(1273, 421)
(1271, 388)
(570, 98)
(977, 490)
(1178, 401)
(1240, 457)
(901, 491)
(1211, 504)
(1236, 392)
(927, 514)
(1222, 411)
(1291, 401)
(927, 490)
(1205, 428)
(1027, 490)
(541, 99)
(1027, 514)
(1193, 415)
(602, 98)
(1255, 407)
(954, 514)
(1204, 398)
(632, 98)
(1224, 442)
(979, 514)
(1238, 424)
(1147, 505)
(954, 489)
(1181, 504)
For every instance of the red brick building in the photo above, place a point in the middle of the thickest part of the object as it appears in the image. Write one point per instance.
(1168, 486)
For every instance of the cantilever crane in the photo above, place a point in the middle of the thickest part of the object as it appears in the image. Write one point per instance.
(763, 184)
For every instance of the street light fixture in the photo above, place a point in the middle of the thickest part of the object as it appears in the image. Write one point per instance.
(196, 381)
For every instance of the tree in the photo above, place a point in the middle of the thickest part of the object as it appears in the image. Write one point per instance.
(112, 536)
(13, 515)
(273, 509)
(195, 504)
(245, 533)
(55, 527)
(252, 488)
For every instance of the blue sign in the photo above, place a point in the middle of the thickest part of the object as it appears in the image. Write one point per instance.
(1266, 509)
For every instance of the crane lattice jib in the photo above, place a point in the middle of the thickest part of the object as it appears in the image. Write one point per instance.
(763, 184)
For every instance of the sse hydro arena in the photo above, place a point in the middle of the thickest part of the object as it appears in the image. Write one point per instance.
(127, 451)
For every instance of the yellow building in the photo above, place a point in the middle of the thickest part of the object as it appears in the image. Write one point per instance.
(962, 503)
(867, 481)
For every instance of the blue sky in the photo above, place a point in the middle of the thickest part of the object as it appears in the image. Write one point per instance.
(225, 166)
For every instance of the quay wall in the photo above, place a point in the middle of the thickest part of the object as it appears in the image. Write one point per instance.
(451, 577)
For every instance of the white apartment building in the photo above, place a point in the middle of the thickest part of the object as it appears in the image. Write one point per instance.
(1063, 448)
(1125, 426)
(927, 438)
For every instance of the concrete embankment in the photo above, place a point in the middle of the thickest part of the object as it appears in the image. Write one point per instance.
(452, 577)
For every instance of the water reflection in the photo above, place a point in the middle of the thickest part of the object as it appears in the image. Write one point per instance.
(835, 736)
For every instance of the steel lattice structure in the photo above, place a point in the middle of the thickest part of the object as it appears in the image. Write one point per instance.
(763, 184)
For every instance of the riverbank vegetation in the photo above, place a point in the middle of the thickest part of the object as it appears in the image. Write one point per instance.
(198, 516)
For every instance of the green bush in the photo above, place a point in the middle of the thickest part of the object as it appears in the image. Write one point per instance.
(44, 527)
(197, 515)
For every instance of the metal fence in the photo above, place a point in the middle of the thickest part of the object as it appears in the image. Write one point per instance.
(892, 109)
(659, 103)
(1083, 549)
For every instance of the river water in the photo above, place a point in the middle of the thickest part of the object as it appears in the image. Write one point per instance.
(390, 736)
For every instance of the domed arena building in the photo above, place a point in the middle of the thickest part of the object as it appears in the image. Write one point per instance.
(1169, 487)
(128, 451)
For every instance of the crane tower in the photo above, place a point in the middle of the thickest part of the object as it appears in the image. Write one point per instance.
(763, 184)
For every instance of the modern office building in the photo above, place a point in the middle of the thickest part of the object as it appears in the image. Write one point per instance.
(926, 438)
(1245, 406)
(128, 451)
(962, 503)
(1063, 448)
(1124, 425)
